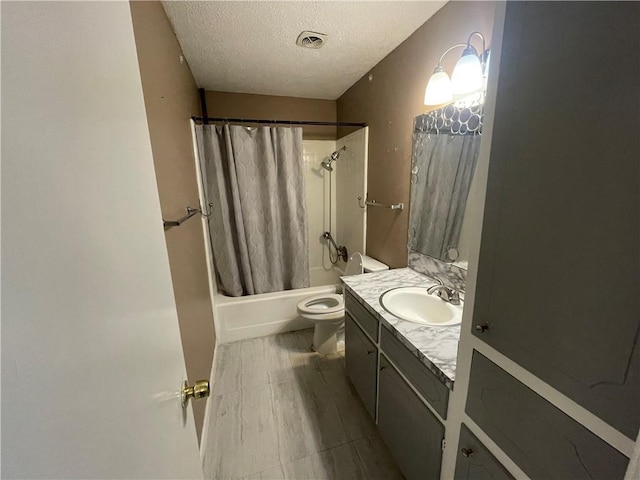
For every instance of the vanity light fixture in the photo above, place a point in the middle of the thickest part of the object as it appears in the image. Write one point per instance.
(468, 75)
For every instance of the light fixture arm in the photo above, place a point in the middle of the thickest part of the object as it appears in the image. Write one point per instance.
(465, 45)
(484, 47)
(452, 47)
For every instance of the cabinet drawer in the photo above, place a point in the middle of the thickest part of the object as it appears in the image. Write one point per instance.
(542, 440)
(475, 462)
(367, 322)
(361, 358)
(429, 386)
(412, 433)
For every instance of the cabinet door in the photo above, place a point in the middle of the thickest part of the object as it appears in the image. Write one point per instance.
(475, 462)
(541, 439)
(412, 433)
(361, 364)
(558, 275)
(423, 380)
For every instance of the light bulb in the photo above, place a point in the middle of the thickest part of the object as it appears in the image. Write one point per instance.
(467, 74)
(438, 89)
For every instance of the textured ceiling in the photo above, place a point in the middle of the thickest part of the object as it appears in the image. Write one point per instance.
(249, 46)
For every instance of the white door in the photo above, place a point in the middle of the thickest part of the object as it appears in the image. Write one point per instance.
(91, 353)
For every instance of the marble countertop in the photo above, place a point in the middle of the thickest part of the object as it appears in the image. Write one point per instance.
(436, 347)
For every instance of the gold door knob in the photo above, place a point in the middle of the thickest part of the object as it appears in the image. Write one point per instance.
(200, 389)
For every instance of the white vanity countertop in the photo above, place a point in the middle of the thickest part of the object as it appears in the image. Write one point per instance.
(436, 347)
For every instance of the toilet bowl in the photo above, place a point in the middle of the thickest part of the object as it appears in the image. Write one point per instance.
(326, 311)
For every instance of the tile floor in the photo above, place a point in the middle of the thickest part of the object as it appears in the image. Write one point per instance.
(280, 411)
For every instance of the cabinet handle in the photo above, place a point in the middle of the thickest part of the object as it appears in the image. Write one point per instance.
(382, 367)
(369, 352)
(481, 327)
(467, 452)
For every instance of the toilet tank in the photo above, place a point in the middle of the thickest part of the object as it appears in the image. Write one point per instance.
(370, 265)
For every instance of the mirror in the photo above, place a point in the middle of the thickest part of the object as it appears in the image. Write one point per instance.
(446, 144)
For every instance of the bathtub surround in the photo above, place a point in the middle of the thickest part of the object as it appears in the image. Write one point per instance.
(282, 411)
(351, 183)
(320, 187)
(387, 99)
(254, 183)
(171, 97)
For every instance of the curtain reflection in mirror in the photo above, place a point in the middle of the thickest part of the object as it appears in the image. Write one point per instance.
(446, 144)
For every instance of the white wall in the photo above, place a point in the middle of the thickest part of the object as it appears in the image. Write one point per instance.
(351, 184)
(318, 191)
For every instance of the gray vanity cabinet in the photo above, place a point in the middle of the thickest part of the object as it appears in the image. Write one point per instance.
(412, 433)
(558, 277)
(361, 360)
(475, 462)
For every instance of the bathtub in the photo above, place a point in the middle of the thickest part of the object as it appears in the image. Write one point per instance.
(238, 318)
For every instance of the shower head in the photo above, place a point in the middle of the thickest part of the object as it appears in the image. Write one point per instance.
(326, 164)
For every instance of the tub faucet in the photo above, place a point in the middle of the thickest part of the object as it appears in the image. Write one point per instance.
(447, 294)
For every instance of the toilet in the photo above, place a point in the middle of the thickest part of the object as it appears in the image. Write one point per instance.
(326, 310)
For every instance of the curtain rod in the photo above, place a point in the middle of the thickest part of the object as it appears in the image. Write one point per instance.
(280, 122)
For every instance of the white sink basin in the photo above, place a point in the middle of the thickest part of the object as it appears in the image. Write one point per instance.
(414, 304)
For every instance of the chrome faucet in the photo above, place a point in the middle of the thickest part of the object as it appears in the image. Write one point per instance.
(447, 294)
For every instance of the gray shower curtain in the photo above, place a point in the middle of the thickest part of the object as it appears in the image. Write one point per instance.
(447, 162)
(258, 224)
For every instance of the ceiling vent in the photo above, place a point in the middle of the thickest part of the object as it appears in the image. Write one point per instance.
(311, 39)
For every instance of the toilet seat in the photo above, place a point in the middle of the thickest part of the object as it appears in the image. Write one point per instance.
(324, 306)
(327, 310)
